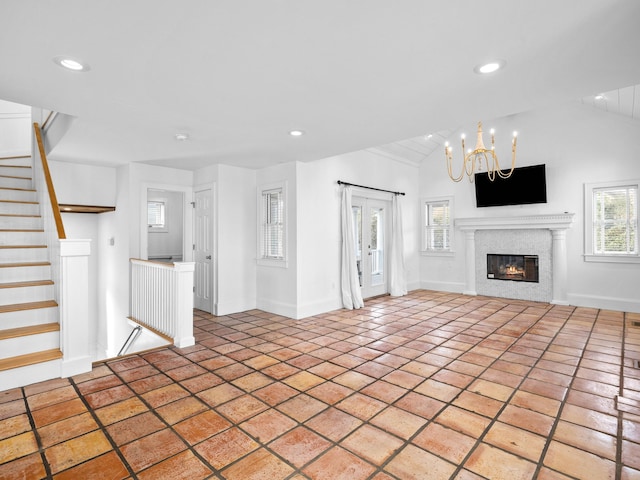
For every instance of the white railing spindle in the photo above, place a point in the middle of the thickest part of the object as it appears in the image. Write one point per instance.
(162, 298)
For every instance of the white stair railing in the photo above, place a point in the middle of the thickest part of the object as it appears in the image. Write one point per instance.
(162, 299)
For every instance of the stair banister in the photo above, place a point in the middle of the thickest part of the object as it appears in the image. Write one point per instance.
(69, 267)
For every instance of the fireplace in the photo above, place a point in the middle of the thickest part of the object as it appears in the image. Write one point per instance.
(542, 235)
(519, 268)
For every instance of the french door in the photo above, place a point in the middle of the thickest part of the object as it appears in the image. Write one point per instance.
(371, 227)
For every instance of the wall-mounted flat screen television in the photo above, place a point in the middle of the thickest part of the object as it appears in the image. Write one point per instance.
(525, 185)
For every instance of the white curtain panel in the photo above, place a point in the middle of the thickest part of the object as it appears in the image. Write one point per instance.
(351, 293)
(397, 280)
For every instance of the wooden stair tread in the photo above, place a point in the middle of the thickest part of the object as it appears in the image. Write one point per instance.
(13, 230)
(25, 264)
(19, 189)
(18, 215)
(30, 330)
(13, 157)
(23, 246)
(13, 176)
(32, 283)
(30, 359)
(19, 201)
(17, 307)
(15, 166)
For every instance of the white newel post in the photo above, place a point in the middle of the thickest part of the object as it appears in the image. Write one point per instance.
(559, 262)
(74, 306)
(470, 262)
(184, 334)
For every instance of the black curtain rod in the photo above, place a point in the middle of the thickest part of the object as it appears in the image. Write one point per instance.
(340, 182)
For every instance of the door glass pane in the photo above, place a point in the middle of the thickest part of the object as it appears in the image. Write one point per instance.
(356, 212)
(376, 249)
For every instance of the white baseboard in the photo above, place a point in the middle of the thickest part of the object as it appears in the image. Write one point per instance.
(234, 306)
(75, 366)
(452, 287)
(605, 303)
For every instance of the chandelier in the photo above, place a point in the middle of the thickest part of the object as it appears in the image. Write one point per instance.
(480, 158)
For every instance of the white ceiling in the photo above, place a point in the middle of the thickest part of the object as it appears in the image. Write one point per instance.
(238, 75)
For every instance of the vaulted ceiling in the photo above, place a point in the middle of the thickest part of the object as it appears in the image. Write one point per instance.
(237, 76)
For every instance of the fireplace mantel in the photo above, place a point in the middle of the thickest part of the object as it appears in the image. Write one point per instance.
(558, 224)
(558, 221)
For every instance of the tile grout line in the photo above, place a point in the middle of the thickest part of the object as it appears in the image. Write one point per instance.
(36, 434)
(334, 444)
(159, 417)
(506, 403)
(102, 428)
(619, 435)
(563, 402)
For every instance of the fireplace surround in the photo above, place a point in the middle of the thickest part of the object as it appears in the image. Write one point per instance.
(543, 235)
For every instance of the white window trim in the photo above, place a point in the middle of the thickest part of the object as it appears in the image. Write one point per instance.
(450, 252)
(165, 228)
(589, 256)
(261, 260)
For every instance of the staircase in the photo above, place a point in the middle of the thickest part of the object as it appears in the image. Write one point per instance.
(29, 328)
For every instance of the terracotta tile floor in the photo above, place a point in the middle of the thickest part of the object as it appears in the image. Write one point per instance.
(427, 386)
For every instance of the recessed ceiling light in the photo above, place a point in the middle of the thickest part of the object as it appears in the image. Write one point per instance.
(182, 137)
(72, 64)
(599, 97)
(489, 67)
(296, 133)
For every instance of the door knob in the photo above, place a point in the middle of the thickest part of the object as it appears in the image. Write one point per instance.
(208, 257)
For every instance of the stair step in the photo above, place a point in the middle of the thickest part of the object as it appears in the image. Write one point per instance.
(18, 194)
(30, 330)
(19, 207)
(12, 169)
(21, 237)
(30, 283)
(23, 253)
(26, 340)
(17, 307)
(16, 159)
(29, 291)
(13, 181)
(30, 359)
(12, 220)
(17, 315)
(25, 271)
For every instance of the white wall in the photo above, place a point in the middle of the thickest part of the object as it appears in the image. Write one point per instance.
(277, 285)
(579, 145)
(15, 129)
(234, 233)
(318, 209)
(93, 185)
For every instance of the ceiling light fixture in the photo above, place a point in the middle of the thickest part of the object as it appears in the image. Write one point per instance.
(474, 159)
(72, 64)
(296, 133)
(599, 97)
(181, 137)
(489, 67)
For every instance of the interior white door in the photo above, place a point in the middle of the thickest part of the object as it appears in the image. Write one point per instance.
(371, 228)
(203, 250)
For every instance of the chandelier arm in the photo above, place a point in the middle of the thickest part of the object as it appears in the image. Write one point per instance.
(449, 168)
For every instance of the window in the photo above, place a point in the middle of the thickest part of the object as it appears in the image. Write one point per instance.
(156, 214)
(272, 228)
(438, 228)
(611, 222)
